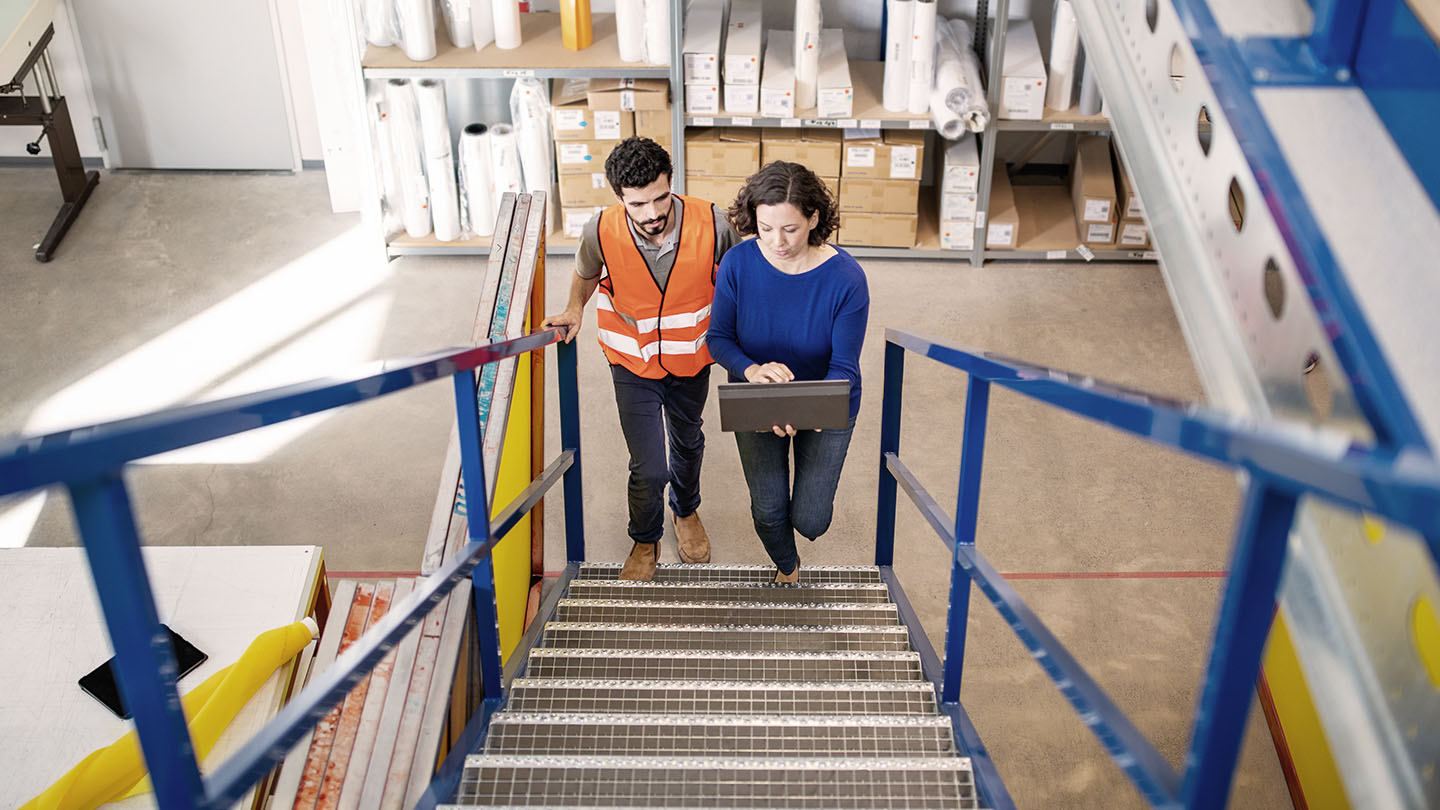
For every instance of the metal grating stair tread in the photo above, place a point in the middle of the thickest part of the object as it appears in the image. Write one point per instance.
(725, 637)
(717, 591)
(548, 662)
(722, 697)
(718, 612)
(716, 572)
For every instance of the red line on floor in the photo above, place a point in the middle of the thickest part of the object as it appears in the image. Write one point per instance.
(1116, 575)
(370, 574)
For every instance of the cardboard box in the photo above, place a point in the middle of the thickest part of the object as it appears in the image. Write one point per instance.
(1134, 235)
(879, 196)
(777, 80)
(1092, 181)
(582, 157)
(876, 230)
(956, 205)
(835, 95)
(1002, 229)
(1130, 206)
(704, 26)
(572, 220)
(816, 149)
(574, 120)
(897, 154)
(1022, 95)
(653, 124)
(743, 44)
(719, 190)
(957, 234)
(722, 152)
(702, 99)
(1097, 234)
(582, 190)
(742, 99)
(960, 171)
(628, 95)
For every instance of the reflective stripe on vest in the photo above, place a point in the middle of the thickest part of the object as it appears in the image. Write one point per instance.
(642, 328)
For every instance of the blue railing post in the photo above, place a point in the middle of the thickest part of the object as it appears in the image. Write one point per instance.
(1248, 603)
(144, 661)
(967, 507)
(889, 443)
(568, 372)
(477, 522)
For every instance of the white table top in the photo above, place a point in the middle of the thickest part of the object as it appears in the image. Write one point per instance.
(219, 598)
(22, 22)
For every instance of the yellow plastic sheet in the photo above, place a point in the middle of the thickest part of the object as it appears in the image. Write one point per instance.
(117, 771)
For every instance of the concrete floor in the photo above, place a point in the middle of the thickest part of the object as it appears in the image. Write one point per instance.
(175, 287)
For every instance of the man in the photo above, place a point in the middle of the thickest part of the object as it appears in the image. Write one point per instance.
(653, 256)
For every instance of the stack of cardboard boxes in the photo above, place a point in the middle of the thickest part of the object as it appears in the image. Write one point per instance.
(1133, 233)
(959, 182)
(702, 50)
(816, 149)
(590, 117)
(1092, 190)
(717, 161)
(880, 187)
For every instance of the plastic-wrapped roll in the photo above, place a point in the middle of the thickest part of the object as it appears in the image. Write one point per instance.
(439, 160)
(630, 29)
(949, 81)
(482, 23)
(1089, 92)
(392, 196)
(404, 129)
(416, 28)
(378, 26)
(1064, 50)
(922, 57)
(807, 53)
(899, 33)
(457, 22)
(476, 183)
(505, 161)
(971, 105)
(506, 14)
(530, 113)
(657, 32)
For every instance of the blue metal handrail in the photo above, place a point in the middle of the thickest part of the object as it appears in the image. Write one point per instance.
(1284, 463)
(89, 461)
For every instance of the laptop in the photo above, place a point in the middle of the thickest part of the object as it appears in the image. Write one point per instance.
(803, 404)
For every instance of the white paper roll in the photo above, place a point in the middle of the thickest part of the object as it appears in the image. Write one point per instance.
(947, 122)
(482, 23)
(1064, 48)
(971, 104)
(457, 22)
(1090, 99)
(922, 57)
(530, 113)
(403, 126)
(378, 14)
(505, 160)
(477, 190)
(807, 53)
(657, 32)
(439, 161)
(630, 29)
(506, 14)
(899, 33)
(416, 24)
(392, 197)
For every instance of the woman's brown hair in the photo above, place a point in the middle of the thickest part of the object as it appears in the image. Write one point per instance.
(783, 182)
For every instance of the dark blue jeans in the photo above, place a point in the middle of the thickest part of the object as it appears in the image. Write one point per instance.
(780, 510)
(650, 412)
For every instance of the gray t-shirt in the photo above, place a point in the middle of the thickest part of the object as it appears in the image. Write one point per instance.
(659, 258)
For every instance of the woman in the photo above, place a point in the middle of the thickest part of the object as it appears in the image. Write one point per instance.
(789, 306)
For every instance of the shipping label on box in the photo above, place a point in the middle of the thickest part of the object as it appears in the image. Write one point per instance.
(777, 80)
(1099, 234)
(742, 99)
(905, 162)
(860, 157)
(895, 155)
(879, 196)
(957, 234)
(816, 149)
(573, 220)
(743, 43)
(1134, 234)
(958, 205)
(582, 157)
(722, 152)
(702, 99)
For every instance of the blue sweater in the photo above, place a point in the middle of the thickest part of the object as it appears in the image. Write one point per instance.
(813, 322)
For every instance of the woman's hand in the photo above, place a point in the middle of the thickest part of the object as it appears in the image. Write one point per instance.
(769, 373)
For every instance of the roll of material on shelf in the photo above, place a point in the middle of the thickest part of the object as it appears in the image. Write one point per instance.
(630, 29)
(416, 28)
(922, 57)
(900, 15)
(530, 114)
(1089, 91)
(482, 23)
(1064, 51)
(807, 53)
(476, 180)
(505, 163)
(657, 32)
(401, 120)
(959, 95)
(576, 32)
(439, 160)
(379, 27)
(457, 22)
(506, 15)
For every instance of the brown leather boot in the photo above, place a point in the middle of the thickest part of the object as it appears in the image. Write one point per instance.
(640, 564)
(791, 578)
(691, 540)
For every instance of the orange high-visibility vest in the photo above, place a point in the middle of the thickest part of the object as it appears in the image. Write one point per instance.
(650, 331)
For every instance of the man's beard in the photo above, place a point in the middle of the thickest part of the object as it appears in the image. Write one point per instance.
(654, 227)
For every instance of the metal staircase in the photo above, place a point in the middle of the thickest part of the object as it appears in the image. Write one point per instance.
(713, 686)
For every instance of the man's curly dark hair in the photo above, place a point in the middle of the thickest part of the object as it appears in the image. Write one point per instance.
(782, 182)
(636, 163)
